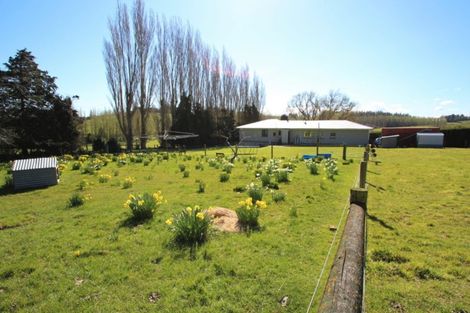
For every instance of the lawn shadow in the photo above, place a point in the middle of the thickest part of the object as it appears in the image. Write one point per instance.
(379, 188)
(7, 190)
(131, 222)
(380, 221)
(372, 172)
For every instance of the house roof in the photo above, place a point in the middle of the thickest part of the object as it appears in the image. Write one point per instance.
(34, 164)
(319, 124)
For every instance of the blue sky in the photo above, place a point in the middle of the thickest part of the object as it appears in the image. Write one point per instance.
(410, 56)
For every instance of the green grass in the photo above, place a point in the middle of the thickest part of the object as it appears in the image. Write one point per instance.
(94, 258)
(418, 231)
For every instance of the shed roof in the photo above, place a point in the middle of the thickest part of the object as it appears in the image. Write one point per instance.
(321, 124)
(33, 164)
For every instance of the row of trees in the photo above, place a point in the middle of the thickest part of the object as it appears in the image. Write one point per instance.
(33, 117)
(152, 61)
(386, 119)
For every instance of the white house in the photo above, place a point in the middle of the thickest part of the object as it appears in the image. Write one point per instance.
(328, 132)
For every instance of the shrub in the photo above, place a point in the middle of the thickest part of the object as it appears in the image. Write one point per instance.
(76, 200)
(128, 182)
(224, 177)
(83, 184)
(8, 183)
(146, 162)
(331, 169)
(76, 166)
(265, 179)
(115, 172)
(199, 166)
(227, 168)
(201, 187)
(313, 167)
(143, 206)
(104, 178)
(278, 196)
(185, 174)
(248, 213)
(293, 212)
(182, 167)
(190, 226)
(255, 192)
(282, 176)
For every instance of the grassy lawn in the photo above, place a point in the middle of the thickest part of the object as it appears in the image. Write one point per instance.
(419, 231)
(119, 265)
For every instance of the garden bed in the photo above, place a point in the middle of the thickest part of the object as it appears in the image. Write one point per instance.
(79, 258)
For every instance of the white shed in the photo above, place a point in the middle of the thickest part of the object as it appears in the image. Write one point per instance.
(325, 132)
(430, 140)
(34, 173)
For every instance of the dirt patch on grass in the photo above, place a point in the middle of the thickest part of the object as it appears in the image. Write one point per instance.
(225, 220)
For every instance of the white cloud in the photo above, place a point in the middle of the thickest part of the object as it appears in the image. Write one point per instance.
(443, 104)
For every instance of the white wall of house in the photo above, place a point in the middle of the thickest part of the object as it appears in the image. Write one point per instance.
(350, 137)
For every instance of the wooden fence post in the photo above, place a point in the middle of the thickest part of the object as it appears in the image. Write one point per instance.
(272, 152)
(363, 174)
(343, 292)
(344, 152)
(205, 150)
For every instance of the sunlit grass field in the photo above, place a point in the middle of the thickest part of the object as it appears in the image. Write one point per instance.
(88, 259)
(419, 231)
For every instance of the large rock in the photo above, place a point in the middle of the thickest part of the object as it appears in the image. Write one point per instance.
(224, 219)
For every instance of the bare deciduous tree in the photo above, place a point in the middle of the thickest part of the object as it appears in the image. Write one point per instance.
(121, 71)
(310, 106)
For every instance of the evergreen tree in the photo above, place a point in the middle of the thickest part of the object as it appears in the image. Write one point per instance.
(31, 109)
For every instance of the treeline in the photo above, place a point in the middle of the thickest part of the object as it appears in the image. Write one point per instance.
(385, 119)
(155, 62)
(456, 118)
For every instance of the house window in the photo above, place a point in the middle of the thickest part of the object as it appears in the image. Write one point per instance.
(332, 135)
(264, 133)
(308, 134)
(279, 133)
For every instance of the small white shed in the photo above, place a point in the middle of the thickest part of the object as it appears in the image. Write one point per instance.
(430, 140)
(34, 173)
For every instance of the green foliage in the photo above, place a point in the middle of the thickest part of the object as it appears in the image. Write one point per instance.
(201, 187)
(128, 182)
(182, 167)
(83, 184)
(293, 212)
(278, 196)
(185, 174)
(312, 166)
(76, 166)
(104, 178)
(424, 273)
(8, 182)
(282, 176)
(38, 118)
(224, 177)
(143, 206)
(75, 200)
(265, 179)
(248, 213)
(255, 192)
(239, 189)
(190, 226)
(331, 169)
